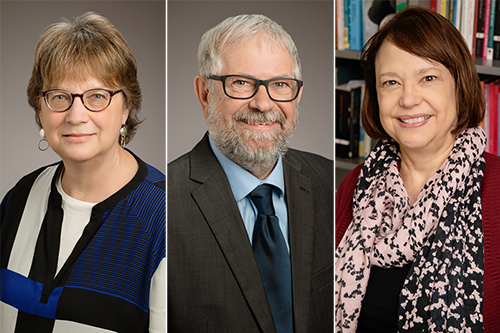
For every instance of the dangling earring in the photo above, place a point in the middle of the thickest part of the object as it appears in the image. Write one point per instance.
(123, 134)
(43, 139)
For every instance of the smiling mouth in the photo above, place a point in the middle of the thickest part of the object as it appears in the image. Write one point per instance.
(251, 122)
(414, 120)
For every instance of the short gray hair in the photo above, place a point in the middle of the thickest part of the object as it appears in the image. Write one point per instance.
(235, 31)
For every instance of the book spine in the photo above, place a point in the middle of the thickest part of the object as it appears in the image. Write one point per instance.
(433, 5)
(498, 129)
(496, 35)
(474, 31)
(356, 25)
(491, 31)
(486, 120)
(457, 17)
(340, 25)
(346, 23)
(493, 143)
(450, 10)
(480, 28)
(342, 103)
(487, 9)
(467, 25)
(354, 122)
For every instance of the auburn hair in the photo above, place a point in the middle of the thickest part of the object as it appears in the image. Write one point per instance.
(428, 35)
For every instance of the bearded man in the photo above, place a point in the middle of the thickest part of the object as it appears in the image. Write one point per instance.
(250, 222)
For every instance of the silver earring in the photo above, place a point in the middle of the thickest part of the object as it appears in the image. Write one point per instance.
(43, 139)
(123, 134)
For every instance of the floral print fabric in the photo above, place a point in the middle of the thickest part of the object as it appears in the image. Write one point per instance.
(441, 234)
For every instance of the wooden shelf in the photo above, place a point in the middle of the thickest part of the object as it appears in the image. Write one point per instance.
(347, 54)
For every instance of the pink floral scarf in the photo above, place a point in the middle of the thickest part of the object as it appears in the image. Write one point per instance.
(441, 234)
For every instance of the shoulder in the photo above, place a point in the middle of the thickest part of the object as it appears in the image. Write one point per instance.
(492, 163)
(178, 166)
(343, 203)
(491, 177)
(155, 176)
(489, 190)
(15, 199)
(26, 182)
(147, 193)
(310, 163)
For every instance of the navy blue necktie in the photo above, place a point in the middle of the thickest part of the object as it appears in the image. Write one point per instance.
(272, 257)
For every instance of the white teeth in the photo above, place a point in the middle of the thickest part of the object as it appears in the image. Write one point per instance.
(414, 120)
(258, 123)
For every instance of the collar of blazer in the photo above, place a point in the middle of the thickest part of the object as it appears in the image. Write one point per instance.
(214, 196)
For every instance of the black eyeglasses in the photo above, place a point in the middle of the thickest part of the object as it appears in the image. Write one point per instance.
(94, 99)
(245, 87)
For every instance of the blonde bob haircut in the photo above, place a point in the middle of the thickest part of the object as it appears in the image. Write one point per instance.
(90, 46)
(430, 36)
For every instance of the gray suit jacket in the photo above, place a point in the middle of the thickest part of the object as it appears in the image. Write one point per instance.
(214, 283)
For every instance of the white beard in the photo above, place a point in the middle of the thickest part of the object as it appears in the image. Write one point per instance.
(254, 151)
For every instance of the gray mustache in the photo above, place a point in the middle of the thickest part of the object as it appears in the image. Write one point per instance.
(254, 116)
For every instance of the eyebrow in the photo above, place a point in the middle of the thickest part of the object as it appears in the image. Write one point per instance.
(418, 72)
(272, 78)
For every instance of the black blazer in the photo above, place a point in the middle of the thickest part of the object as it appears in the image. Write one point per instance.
(214, 283)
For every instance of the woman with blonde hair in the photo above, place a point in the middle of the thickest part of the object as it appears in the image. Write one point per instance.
(83, 240)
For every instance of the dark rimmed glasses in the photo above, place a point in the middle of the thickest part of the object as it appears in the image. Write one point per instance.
(94, 100)
(245, 87)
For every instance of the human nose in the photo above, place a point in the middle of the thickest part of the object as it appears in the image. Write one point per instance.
(261, 100)
(77, 113)
(410, 96)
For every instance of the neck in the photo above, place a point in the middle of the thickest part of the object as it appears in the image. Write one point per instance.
(96, 180)
(261, 172)
(418, 166)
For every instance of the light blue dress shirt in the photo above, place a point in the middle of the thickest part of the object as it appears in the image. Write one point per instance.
(243, 182)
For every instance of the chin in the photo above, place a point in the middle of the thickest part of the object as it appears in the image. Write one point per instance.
(420, 143)
(76, 155)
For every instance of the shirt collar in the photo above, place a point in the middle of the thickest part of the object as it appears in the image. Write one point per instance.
(243, 182)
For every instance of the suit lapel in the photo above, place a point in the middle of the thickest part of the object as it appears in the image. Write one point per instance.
(300, 211)
(216, 201)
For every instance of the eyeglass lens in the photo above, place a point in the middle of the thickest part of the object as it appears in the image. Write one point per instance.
(244, 87)
(95, 100)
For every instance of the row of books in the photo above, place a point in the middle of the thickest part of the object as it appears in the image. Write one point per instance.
(477, 20)
(350, 138)
(491, 125)
(352, 142)
(353, 27)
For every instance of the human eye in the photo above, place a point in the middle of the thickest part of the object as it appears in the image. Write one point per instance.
(429, 78)
(242, 82)
(389, 83)
(281, 84)
(97, 95)
(58, 96)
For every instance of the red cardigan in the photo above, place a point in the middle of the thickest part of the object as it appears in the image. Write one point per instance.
(490, 195)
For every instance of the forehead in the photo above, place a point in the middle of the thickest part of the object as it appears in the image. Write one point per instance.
(78, 70)
(81, 78)
(391, 59)
(258, 57)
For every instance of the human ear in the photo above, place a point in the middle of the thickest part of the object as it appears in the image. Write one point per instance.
(300, 94)
(202, 91)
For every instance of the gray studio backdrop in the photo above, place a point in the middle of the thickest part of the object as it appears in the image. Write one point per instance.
(143, 25)
(310, 23)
